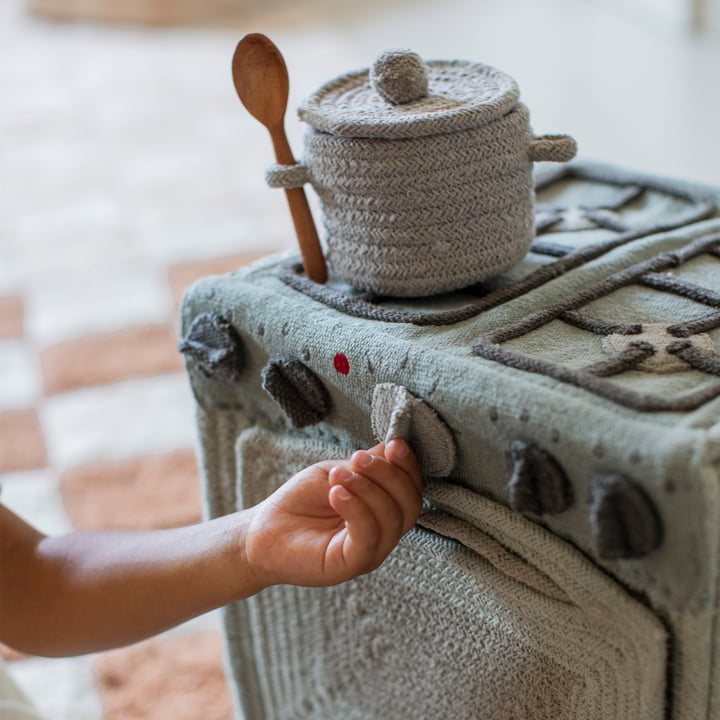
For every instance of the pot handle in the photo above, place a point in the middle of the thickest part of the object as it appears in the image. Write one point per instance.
(552, 148)
(287, 176)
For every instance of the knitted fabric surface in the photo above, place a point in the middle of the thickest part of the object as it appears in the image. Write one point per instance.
(566, 565)
(424, 174)
(559, 646)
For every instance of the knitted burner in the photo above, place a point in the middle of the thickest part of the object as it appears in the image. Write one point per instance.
(424, 173)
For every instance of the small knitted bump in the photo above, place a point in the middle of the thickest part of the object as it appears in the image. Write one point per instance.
(400, 76)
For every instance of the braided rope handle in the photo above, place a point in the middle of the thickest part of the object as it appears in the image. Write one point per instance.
(287, 176)
(552, 148)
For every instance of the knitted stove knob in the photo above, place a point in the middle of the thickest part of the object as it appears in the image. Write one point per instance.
(624, 521)
(297, 390)
(537, 483)
(399, 76)
(397, 413)
(213, 347)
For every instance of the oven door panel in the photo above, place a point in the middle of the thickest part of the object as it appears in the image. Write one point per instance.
(478, 613)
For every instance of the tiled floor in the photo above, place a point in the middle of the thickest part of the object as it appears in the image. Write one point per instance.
(117, 192)
(128, 168)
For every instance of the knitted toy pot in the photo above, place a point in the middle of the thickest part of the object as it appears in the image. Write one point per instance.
(424, 173)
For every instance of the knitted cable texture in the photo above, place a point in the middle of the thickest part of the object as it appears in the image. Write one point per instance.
(424, 173)
(286, 176)
(460, 95)
(399, 76)
(422, 216)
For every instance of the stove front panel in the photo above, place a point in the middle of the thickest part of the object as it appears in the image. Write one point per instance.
(478, 613)
(562, 502)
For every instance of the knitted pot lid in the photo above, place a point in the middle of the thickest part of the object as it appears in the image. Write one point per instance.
(402, 97)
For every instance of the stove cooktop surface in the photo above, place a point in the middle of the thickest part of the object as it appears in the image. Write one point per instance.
(643, 324)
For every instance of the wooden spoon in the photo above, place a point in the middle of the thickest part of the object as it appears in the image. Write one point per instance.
(261, 82)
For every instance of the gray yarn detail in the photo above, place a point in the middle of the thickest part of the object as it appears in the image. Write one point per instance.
(397, 413)
(424, 216)
(214, 347)
(537, 483)
(644, 402)
(553, 148)
(710, 321)
(636, 353)
(400, 76)
(362, 305)
(297, 390)
(542, 247)
(287, 176)
(488, 346)
(655, 349)
(631, 185)
(424, 174)
(637, 273)
(599, 327)
(690, 354)
(624, 521)
(461, 95)
(661, 281)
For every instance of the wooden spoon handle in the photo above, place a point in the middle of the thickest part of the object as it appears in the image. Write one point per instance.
(308, 241)
(310, 249)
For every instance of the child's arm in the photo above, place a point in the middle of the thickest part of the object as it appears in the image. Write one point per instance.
(88, 591)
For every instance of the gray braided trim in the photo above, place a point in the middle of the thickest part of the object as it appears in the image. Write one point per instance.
(489, 347)
(461, 95)
(364, 305)
(287, 176)
(643, 402)
(701, 206)
(422, 216)
(553, 148)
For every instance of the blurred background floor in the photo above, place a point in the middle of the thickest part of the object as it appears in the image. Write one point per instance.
(128, 168)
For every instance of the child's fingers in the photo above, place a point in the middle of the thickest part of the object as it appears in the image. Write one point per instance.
(394, 481)
(362, 533)
(399, 453)
(387, 513)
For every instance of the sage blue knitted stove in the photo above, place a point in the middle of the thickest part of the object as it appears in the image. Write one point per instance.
(567, 414)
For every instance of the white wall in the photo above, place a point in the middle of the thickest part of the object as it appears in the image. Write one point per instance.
(714, 13)
(672, 13)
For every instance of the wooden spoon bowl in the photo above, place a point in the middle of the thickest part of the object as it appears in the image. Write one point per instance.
(261, 81)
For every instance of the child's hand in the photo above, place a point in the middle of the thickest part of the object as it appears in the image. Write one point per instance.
(89, 591)
(337, 519)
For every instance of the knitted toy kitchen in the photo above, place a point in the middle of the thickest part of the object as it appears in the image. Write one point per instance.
(547, 341)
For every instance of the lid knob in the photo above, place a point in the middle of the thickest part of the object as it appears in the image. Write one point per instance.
(399, 76)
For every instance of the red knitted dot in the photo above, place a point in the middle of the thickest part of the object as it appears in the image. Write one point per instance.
(342, 364)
